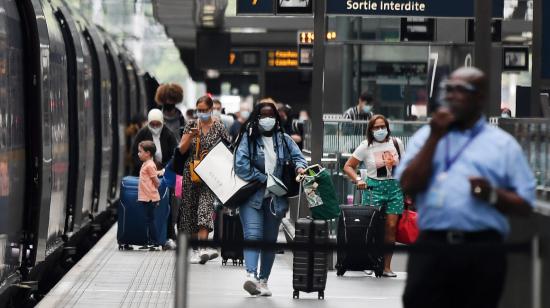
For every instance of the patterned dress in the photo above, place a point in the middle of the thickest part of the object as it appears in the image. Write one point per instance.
(197, 199)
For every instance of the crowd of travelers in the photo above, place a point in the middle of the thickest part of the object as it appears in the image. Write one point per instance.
(463, 175)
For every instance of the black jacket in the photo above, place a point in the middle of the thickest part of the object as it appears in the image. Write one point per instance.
(168, 143)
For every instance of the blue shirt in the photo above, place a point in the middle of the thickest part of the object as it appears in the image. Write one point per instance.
(447, 203)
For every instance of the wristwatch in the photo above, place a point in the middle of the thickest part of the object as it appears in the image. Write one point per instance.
(357, 179)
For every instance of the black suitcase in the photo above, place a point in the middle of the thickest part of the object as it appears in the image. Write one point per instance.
(231, 228)
(309, 268)
(362, 227)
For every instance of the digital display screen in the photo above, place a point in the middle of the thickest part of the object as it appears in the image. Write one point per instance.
(515, 59)
(306, 56)
(244, 59)
(282, 58)
(294, 6)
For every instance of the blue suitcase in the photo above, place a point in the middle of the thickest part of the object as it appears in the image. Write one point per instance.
(132, 222)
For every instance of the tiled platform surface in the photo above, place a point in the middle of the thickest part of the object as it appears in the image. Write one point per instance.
(107, 277)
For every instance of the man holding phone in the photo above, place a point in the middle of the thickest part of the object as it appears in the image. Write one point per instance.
(466, 176)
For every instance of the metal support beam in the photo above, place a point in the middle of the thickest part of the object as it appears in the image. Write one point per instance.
(317, 89)
(182, 272)
(536, 82)
(483, 42)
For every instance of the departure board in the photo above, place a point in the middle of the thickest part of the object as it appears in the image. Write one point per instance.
(282, 58)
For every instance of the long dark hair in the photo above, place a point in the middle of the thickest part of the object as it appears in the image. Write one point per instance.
(251, 129)
(370, 136)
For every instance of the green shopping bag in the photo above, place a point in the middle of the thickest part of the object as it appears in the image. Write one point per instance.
(329, 208)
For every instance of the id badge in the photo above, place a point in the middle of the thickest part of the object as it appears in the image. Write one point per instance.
(436, 194)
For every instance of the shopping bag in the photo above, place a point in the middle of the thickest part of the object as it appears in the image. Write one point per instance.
(407, 229)
(329, 208)
(216, 171)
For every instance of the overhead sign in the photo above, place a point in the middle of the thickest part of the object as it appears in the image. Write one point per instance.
(282, 58)
(294, 6)
(244, 59)
(253, 7)
(427, 8)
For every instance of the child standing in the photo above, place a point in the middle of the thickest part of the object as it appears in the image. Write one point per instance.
(148, 194)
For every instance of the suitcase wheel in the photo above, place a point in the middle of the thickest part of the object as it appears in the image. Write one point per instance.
(321, 295)
(120, 247)
(235, 262)
(340, 272)
(378, 273)
(296, 294)
(241, 262)
(224, 261)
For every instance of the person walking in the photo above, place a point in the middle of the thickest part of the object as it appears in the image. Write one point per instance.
(262, 148)
(164, 140)
(466, 176)
(381, 154)
(148, 194)
(363, 110)
(167, 96)
(197, 210)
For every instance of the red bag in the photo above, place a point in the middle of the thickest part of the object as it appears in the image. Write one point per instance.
(407, 230)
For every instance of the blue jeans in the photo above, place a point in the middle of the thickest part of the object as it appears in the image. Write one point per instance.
(259, 225)
(152, 234)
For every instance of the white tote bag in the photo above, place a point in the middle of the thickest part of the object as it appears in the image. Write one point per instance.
(216, 171)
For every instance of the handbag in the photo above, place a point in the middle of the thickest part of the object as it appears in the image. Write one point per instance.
(407, 229)
(199, 155)
(320, 193)
(289, 174)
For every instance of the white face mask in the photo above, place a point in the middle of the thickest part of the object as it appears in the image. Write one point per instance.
(504, 115)
(245, 114)
(380, 135)
(155, 130)
(267, 124)
(216, 113)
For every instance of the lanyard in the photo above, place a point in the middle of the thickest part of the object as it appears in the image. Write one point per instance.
(449, 161)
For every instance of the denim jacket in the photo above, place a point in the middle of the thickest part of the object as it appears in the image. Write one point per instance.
(244, 171)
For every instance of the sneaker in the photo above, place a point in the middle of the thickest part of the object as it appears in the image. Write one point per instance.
(251, 285)
(204, 256)
(170, 245)
(195, 257)
(154, 248)
(368, 272)
(144, 247)
(264, 290)
(212, 253)
(389, 274)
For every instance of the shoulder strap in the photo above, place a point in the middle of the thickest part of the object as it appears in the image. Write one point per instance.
(396, 145)
(198, 144)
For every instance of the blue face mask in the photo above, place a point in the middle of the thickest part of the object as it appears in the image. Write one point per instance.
(245, 114)
(367, 108)
(267, 124)
(380, 135)
(204, 116)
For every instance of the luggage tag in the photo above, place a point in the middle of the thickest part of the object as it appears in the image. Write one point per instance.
(436, 194)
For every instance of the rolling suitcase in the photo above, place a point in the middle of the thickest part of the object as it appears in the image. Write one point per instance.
(362, 227)
(132, 222)
(231, 230)
(309, 268)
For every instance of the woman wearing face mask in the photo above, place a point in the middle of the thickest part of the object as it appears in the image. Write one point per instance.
(197, 199)
(167, 96)
(262, 148)
(155, 131)
(381, 154)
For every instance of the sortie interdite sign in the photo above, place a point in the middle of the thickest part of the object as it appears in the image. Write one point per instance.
(421, 8)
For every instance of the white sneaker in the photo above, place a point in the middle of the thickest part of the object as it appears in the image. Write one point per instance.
(212, 253)
(204, 256)
(368, 272)
(170, 245)
(251, 285)
(195, 257)
(264, 290)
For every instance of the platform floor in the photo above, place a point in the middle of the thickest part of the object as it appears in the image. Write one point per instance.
(107, 277)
